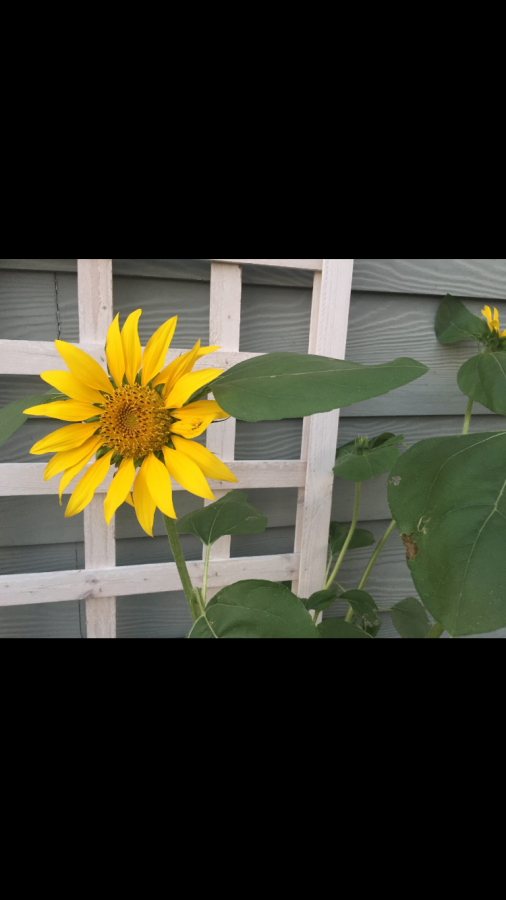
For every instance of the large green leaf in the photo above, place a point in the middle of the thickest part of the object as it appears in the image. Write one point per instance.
(483, 379)
(288, 385)
(410, 619)
(455, 323)
(362, 459)
(448, 497)
(12, 418)
(255, 609)
(339, 533)
(322, 600)
(365, 608)
(229, 516)
(338, 629)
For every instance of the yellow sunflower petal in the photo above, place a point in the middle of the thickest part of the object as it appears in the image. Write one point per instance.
(187, 473)
(145, 506)
(72, 386)
(157, 349)
(192, 427)
(84, 367)
(132, 346)
(119, 489)
(208, 463)
(159, 484)
(68, 438)
(71, 473)
(202, 408)
(86, 487)
(67, 410)
(130, 500)
(188, 384)
(115, 353)
(181, 366)
(176, 369)
(205, 351)
(69, 458)
(487, 312)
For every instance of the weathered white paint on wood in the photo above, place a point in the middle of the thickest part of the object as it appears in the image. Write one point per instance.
(95, 316)
(27, 480)
(225, 331)
(34, 357)
(329, 327)
(314, 265)
(97, 584)
(100, 553)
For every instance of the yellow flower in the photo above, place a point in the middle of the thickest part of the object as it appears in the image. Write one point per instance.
(493, 321)
(136, 417)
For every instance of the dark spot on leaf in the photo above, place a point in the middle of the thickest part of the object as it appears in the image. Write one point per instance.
(412, 548)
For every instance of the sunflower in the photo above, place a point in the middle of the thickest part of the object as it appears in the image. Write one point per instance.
(137, 418)
(493, 321)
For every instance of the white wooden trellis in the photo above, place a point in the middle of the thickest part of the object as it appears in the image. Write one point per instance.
(102, 582)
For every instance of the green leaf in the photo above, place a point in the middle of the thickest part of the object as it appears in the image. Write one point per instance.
(289, 385)
(483, 379)
(448, 497)
(410, 619)
(339, 533)
(364, 607)
(12, 418)
(229, 516)
(338, 629)
(255, 609)
(362, 459)
(455, 323)
(322, 600)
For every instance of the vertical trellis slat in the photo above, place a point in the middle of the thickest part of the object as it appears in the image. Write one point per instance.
(329, 329)
(95, 295)
(225, 332)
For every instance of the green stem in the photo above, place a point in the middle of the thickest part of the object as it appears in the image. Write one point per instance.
(330, 581)
(376, 555)
(191, 594)
(437, 632)
(206, 575)
(467, 420)
(350, 615)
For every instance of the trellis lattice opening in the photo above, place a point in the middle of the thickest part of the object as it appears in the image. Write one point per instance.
(101, 582)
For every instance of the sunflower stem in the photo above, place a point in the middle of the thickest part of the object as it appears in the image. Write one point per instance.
(330, 580)
(436, 632)
(467, 420)
(376, 555)
(191, 594)
(206, 575)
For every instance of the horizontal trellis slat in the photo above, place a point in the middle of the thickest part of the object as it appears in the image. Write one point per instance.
(34, 357)
(313, 265)
(27, 479)
(95, 584)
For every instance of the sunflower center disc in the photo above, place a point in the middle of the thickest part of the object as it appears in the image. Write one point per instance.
(135, 422)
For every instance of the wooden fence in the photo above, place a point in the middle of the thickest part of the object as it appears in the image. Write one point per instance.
(101, 582)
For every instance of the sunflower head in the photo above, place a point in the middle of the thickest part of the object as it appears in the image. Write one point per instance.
(136, 416)
(493, 321)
